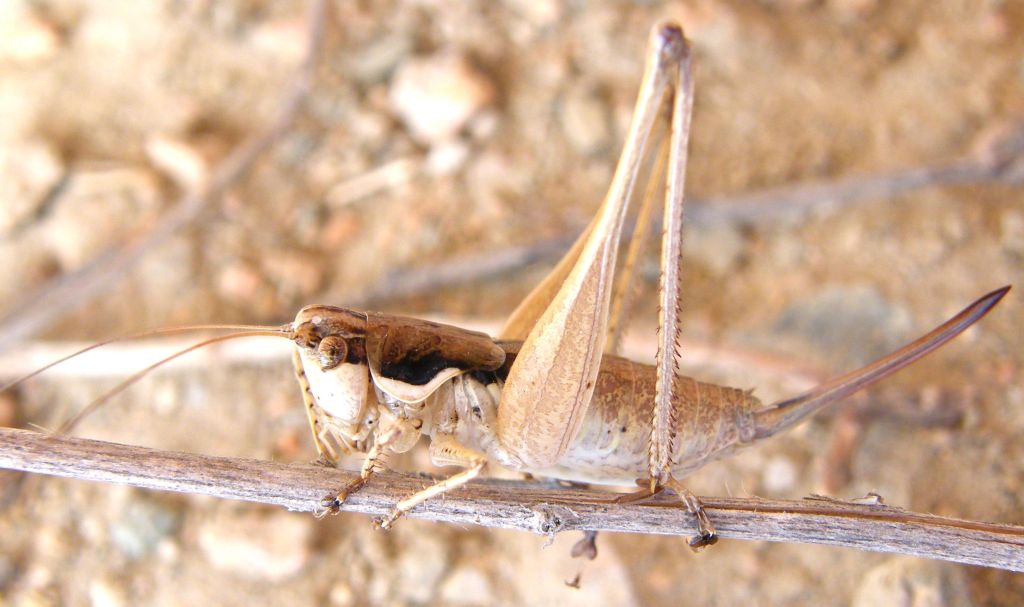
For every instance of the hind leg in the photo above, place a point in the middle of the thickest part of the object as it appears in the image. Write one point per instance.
(706, 535)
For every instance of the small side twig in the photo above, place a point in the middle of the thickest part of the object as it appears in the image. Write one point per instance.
(70, 291)
(529, 506)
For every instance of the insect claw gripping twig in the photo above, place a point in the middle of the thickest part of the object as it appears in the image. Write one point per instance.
(332, 503)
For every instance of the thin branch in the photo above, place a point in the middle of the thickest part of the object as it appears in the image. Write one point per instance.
(460, 270)
(529, 506)
(997, 159)
(380, 179)
(68, 292)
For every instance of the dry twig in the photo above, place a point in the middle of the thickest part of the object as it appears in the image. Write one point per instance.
(997, 159)
(540, 508)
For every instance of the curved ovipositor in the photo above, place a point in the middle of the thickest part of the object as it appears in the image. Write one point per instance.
(410, 359)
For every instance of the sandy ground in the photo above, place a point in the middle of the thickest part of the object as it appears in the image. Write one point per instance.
(437, 131)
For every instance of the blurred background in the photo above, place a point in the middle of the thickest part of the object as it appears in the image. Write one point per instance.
(443, 157)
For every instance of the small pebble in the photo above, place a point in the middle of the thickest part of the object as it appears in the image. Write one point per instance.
(436, 96)
(1011, 229)
(7, 570)
(374, 62)
(912, 582)
(853, 9)
(140, 526)
(780, 475)
(719, 247)
(854, 323)
(484, 124)
(585, 121)
(423, 561)
(98, 208)
(994, 25)
(168, 550)
(37, 576)
(25, 38)
(180, 161)
(239, 282)
(118, 32)
(539, 13)
(341, 228)
(467, 586)
(288, 445)
(285, 40)
(30, 171)
(378, 589)
(271, 547)
(106, 593)
(789, 4)
(341, 595)
(293, 272)
(447, 158)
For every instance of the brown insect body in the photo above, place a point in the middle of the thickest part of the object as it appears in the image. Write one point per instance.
(403, 377)
(549, 396)
(553, 399)
(613, 444)
(425, 377)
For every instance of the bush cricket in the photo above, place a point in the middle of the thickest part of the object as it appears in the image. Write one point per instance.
(549, 396)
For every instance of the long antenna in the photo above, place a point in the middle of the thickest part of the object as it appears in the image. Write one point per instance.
(283, 330)
(95, 404)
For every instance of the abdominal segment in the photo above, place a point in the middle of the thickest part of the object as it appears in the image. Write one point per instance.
(613, 444)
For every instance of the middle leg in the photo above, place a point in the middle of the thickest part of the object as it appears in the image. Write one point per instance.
(445, 450)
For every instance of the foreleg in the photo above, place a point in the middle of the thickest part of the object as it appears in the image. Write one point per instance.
(326, 454)
(332, 503)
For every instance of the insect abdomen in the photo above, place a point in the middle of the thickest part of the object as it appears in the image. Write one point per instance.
(613, 444)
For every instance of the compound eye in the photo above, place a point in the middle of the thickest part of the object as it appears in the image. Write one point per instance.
(306, 335)
(331, 352)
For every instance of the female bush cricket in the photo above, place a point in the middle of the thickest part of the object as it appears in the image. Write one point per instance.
(549, 396)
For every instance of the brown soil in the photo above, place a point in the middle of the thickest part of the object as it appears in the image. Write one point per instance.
(110, 110)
